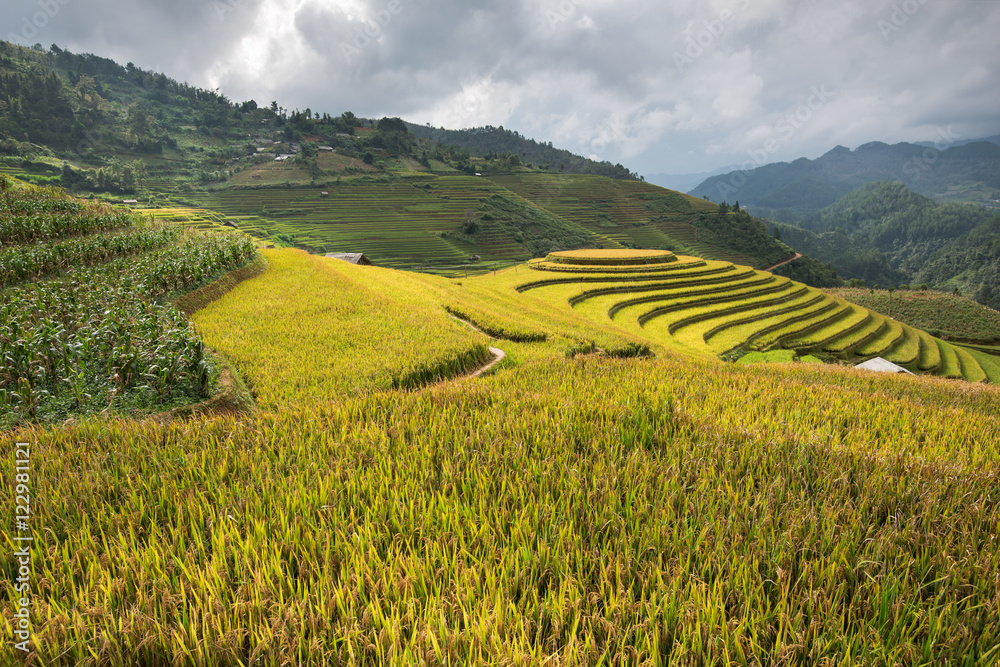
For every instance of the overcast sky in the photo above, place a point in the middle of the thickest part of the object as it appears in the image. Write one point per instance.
(673, 86)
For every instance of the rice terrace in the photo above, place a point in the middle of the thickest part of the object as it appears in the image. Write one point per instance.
(283, 388)
(609, 493)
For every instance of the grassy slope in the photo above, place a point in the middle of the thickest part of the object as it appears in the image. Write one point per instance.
(306, 328)
(558, 509)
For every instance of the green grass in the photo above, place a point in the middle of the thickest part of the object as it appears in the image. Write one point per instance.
(558, 511)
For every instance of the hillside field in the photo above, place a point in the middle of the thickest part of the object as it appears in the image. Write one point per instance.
(422, 220)
(608, 494)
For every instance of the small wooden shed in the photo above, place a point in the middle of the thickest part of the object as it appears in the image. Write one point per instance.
(352, 258)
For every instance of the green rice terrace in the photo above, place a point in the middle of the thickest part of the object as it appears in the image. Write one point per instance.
(725, 309)
(417, 220)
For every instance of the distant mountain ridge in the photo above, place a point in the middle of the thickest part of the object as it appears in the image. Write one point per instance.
(995, 139)
(788, 191)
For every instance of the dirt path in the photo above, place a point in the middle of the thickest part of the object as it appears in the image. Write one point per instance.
(498, 354)
(782, 263)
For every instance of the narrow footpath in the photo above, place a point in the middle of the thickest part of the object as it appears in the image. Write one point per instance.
(498, 354)
(782, 263)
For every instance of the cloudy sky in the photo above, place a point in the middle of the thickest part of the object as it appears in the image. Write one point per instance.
(672, 86)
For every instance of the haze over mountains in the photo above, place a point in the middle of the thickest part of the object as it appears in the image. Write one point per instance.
(963, 172)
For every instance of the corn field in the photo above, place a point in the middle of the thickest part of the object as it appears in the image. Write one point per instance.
(97, 337)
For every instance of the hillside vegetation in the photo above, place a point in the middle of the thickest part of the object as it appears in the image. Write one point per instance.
(668, 509)
(887, 235)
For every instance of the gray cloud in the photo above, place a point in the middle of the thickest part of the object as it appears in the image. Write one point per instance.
(672, 86)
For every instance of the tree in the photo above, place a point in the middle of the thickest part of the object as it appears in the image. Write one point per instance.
(393, 125)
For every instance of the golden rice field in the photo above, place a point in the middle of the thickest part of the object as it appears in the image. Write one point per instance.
(565, 509)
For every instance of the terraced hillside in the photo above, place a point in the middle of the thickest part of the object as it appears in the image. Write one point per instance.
(422, 219)
(411, 219)
(632, 213)
(719, 307)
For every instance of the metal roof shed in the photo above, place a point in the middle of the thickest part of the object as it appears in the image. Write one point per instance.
(880, 365)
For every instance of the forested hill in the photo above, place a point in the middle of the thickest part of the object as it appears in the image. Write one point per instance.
(886, 234)
(81, 102)
(794, 191)
(85, 107)
(487, 141)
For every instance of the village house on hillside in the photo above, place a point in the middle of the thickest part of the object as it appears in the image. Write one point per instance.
(351, 257)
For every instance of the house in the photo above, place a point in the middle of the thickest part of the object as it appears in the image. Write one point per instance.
(351, 257)
(130, 202)
(328, 149)
(880, 365)
(324, 194)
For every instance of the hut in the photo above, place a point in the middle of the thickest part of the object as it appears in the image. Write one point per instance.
(351, 257)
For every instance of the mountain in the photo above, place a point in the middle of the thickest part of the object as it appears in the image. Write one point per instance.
(793, 191)
(886, 234)
(684, 182)
(995, 139)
